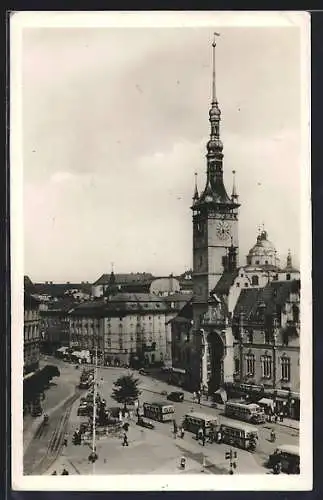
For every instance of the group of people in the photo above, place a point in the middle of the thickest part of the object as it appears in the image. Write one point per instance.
(178, 431)
(275, 416)
(197, 397)
(63, 473)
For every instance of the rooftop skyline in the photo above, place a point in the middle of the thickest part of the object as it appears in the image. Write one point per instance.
(115, 125)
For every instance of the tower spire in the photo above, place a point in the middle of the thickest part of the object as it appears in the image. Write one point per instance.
(214, 99)
(289, 259)
(234, 195)
(196, 193)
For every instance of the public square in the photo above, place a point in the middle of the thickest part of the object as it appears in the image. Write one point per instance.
(150, 451)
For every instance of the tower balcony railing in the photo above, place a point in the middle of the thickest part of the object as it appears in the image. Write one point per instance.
(214, 317)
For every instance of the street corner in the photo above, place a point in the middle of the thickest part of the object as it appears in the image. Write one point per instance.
(181, 464)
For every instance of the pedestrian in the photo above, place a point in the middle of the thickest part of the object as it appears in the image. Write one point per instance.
(65, 442)
(272, 436)
(276, 418)
(174, 428)
(182, 433)
(203, 438)
(198, 397)
(194, 397)
(65, 472)
(281, 415)
(125, 439)
(200, 434)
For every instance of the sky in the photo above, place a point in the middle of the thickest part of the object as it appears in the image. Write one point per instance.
(115, 123)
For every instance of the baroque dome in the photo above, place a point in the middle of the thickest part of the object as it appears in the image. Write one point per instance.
(263, 252)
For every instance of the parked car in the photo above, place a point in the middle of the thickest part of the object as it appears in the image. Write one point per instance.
(142, 371)
(177, 396)
(37, 411)
(145, 423)
(84, 410)
(285, 459)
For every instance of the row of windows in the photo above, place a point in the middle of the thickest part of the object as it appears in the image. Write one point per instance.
(266, 366)
(134, 318)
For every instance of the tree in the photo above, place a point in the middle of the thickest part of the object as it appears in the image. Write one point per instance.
(126, 390)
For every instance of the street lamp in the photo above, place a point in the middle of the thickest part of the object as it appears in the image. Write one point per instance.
(93, 455)
(233, 457)
(241, 339)
(274, 340)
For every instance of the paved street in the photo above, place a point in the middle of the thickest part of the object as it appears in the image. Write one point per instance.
(150, 451)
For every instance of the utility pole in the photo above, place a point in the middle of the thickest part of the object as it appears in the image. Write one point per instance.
(233, 457)
(93, 456)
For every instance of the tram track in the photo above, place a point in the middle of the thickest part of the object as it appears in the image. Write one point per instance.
(55, 442)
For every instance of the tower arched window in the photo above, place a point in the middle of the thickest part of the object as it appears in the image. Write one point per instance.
(255, 280)
(288, 277)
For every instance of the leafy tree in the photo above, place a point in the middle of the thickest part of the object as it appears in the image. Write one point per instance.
(126, 390)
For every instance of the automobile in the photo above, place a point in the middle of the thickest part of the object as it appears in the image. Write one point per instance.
(166, 369)
(285, 459)
(145, 423)
(83, 410)
(37, 411)
(177, 396)
(142, 371)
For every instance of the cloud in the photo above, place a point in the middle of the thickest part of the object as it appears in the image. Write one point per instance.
(115, 125)
(59, 177)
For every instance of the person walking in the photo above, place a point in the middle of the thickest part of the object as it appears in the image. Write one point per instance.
(203, 438)
(272, 436)
(276, 418)
(125, 439)
(200, 434)
(199, 397)
(194, 397)
(174, 428)
(281, 416)
(182, 432)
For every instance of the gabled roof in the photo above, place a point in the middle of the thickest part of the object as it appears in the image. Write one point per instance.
(276, 293)
(225, 282)
(185, 315)
(30, 302)
(126, 279)
(58, 289)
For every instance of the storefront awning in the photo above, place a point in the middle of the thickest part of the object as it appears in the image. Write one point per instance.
(62, 349)
(221, 394)
(266, 402)
(179, 370)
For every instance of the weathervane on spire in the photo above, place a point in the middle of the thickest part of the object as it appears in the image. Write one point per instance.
(214, 100)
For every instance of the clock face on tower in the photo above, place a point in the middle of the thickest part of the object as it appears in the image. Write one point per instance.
(223, 230)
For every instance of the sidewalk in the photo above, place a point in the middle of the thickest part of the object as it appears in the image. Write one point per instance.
(287, 422)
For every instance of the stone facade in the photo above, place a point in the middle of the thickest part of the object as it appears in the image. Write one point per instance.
(127, 326)
(31, 334)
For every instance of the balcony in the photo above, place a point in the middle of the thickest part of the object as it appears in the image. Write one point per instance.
(214, 317)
